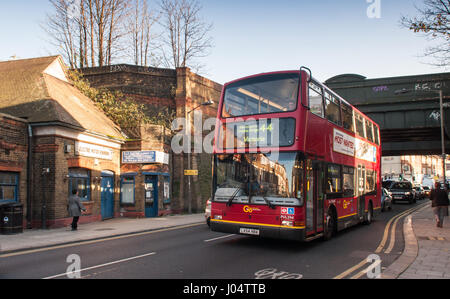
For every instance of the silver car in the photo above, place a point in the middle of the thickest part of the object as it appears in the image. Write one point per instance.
(386, 200)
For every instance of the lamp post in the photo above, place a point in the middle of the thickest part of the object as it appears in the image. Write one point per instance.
(208, 103)
(441, 111)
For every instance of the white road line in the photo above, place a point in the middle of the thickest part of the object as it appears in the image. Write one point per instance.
(218, 238)
(103, 265)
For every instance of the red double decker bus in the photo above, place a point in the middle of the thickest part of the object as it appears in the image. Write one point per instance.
(292, 159)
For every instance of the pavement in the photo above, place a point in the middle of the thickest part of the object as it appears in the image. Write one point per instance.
(38, 238)
(427, 248)
(426, 254)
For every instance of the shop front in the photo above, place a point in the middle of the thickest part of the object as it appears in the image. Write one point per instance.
(145, 184)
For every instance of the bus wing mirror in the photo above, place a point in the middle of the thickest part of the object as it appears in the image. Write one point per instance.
(304, 68)
(304, 99)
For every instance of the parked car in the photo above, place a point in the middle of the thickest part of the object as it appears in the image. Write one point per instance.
(386, 200)
(426, 191)
(402, 191)
(420, 192)
(208, 212)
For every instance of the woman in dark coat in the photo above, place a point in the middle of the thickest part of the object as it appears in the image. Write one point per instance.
(75, 207)
(439, 203)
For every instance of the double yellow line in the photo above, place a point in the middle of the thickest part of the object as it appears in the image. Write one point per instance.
(394, 220)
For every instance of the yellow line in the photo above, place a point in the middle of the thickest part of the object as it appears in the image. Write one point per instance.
(386, 230)
(352, 269)
(380, 247)
(393, 231)
(362, 272)
(386, 233)
(256, 224)
(347, 216)
(394, 227)
(95, 241)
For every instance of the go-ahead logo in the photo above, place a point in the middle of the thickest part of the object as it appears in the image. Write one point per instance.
(248, 209)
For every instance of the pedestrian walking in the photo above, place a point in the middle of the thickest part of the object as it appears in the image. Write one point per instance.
(439, 204)
(75, 207)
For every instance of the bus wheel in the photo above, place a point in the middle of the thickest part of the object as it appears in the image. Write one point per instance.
(369, 216)
(330, 225)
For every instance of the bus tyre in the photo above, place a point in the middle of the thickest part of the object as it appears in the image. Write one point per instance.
(369, 215)
(330, 225)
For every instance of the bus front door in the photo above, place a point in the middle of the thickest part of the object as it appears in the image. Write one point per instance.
(314, 197)
(361, 179)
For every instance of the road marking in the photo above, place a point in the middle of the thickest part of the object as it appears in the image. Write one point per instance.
(97, 241)
(361, 273)
(395, 218)
(394, 227)
(352, 269)
(102, 265)
(218, 238)
(382, 243)
(393, 233)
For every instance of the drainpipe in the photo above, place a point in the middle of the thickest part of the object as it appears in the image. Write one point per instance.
(29, 177)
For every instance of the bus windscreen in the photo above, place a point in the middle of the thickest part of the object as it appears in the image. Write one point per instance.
(248, 178)
(261, 95)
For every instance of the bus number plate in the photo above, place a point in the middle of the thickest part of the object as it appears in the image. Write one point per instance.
(249, 231)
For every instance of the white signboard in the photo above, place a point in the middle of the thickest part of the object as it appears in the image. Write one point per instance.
(351, 146)
(343, 143)
(142, 157)
(366, 151)
(93, 151)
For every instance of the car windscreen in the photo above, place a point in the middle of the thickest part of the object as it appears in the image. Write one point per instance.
(400, 185)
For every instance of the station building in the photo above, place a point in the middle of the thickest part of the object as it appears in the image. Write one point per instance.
(54, 139)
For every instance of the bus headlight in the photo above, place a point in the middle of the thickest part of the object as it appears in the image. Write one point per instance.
(218, 217)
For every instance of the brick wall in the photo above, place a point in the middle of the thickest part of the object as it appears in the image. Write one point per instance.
(52, 188)
(14, 152)
(180, 90)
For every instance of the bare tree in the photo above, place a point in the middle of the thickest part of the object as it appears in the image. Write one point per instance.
(433, 21)
(60, 26)
(140, 27)
(88, 32)
(185, 35)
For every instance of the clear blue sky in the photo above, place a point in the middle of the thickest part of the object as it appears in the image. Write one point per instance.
(252, 36)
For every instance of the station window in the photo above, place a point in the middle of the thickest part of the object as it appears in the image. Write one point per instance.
(315, 99)
(166, 192)
(9, 182)
(79, 179)
(332, 109)
(127, 190)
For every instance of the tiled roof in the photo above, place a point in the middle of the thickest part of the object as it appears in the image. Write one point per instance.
(38, 90)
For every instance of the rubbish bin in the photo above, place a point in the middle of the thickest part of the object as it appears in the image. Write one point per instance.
(11, 218)
(3, 205)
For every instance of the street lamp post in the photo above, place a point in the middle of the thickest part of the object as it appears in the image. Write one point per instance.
(208, 103)
(441, 111)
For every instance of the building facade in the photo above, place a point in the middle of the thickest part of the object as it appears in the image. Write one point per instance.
(54, 140)
(180, 93)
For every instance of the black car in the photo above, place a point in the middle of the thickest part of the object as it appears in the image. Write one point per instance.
(402, 191)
